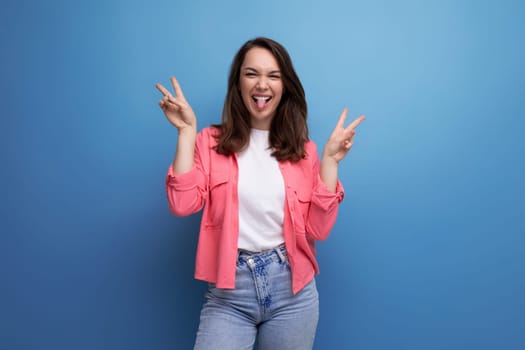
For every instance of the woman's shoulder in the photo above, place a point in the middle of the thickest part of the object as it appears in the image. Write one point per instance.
(310, 148)
(212, 130)
(208, 136)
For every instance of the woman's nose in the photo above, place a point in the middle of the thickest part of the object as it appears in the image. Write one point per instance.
(262, 83)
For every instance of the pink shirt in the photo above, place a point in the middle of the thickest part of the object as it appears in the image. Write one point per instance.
(309, 213)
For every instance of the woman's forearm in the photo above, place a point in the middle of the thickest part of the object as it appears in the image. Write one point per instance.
(183, 160)
(328, 172)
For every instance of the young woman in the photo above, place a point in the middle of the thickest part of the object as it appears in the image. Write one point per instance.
(266, 199)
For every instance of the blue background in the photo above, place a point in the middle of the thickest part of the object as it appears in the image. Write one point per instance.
(428, 251)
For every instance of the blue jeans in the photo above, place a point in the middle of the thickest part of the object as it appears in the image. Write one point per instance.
(261, 308)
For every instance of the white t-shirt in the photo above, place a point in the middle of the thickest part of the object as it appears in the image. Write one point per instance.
(261, 195)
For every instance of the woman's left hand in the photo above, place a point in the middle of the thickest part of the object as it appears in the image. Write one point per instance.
(341, 139)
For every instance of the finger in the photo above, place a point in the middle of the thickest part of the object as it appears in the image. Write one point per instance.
(169, 102)
(342, 118)
(165, 106)
(164, 103)
(176, 87)
(174, 102)
(351, 136)
(162, 89)
(356, 122)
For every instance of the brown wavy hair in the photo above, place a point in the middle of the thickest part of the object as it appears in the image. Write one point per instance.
(288, 129)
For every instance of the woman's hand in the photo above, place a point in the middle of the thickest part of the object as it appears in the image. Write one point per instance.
(336, 148)
(179, 113)
(176, 108)
(340, 140)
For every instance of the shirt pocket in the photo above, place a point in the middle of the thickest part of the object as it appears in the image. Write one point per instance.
(302, 202)
(217, 199)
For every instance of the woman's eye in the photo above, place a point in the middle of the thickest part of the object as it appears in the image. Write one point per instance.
(275, 77)
(250, 74)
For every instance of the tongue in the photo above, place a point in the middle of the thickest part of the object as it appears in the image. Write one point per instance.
(261, 103)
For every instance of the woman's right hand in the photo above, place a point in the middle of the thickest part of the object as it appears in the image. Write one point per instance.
(177, 110)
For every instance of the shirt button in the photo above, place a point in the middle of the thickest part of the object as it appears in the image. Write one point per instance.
(250, 261)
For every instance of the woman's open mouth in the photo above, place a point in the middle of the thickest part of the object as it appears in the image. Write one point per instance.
(261, 101)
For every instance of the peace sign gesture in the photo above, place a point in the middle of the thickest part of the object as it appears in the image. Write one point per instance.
(341, 139)
(176, 108)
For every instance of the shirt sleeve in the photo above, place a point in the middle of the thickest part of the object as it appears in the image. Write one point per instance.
(324, 205)
(187, 192)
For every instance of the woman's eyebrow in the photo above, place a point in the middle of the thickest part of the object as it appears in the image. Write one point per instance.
(275, 71)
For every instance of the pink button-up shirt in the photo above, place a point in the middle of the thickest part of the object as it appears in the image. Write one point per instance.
(309, 213)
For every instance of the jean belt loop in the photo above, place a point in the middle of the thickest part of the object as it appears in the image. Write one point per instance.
(280, 253)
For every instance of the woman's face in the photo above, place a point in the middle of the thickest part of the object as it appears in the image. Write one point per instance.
(261, 86)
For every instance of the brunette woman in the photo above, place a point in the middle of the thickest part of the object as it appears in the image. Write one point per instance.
(266, 197)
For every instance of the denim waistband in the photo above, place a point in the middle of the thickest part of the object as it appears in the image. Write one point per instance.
(275, 254)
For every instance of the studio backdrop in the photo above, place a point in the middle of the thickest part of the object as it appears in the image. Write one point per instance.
(428, 249)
